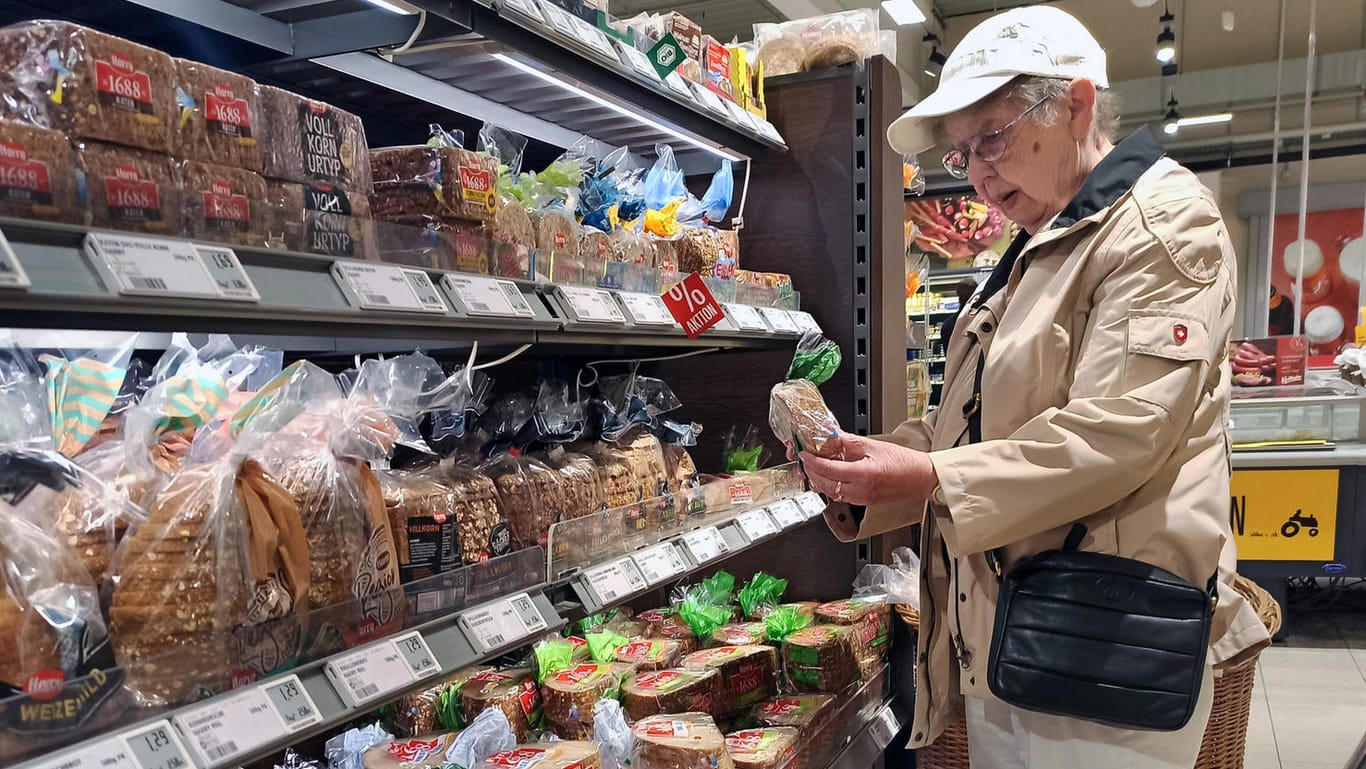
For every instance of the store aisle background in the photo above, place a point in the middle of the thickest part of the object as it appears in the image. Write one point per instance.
(1309, 702)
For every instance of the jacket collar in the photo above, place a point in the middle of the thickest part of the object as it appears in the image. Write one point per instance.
(1113, 176)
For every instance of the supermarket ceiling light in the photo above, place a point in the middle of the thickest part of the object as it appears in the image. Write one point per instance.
(1166, 39)
(394, 6)
(903, 12)
(617, 108)
(1221, 117)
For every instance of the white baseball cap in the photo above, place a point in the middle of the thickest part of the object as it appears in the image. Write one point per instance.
(1034, 40)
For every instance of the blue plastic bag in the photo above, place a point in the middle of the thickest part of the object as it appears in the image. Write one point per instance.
(664, 183)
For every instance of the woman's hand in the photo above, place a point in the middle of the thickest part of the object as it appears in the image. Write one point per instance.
(872, 472)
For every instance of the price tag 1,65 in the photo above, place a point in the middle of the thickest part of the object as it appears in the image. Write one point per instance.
(12, 273)
(757, 524)
(811, 503)
(486, 297)
(705, 544)
(787, 514)
(370, 286)
(156, 746)
(591, 305)
(233, 281)
(747, 318)
(659, 563)
(614, 581)
(503, 622)
(646, 309)
(151, 266)
(230, 726)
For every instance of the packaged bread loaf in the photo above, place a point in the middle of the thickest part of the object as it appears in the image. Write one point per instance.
(698, 251)
(868, 619)
(530, 494)
(595, 245)
(130, 189)
(806, 712)
(671, 691)
(583, 496)
(93, 518)
(569, 696)
(88, 85)
(319, 218)
(309, 141)
(565, 754)
(769, 747)
(37, 174)
(512, 224)
(821, 659)
(441, 182)
(219, 121)
(746, 634)
(512, 691)
(798, 415)
(651, 654)
(557, 232)
(435, 707)
(422, 752)
(225, 205)
(680, 741)
(682, 634)
(749, 674)
(443, 518)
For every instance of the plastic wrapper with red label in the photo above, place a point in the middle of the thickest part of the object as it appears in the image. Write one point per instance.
(88, 85)
(37, 174)
(651, 654)
(128, 189)
(671, 691)
(568, 754)
(424, 752)
(219, 120)
(487, 734)
(763, 748)
(308, 141)
(680, 741)
(434, 708)
(821, 659)
(437, 181)
(749, 674)
(799, 416)
(806, 712)
(868, 618)
(570, 694)
(514, 692)
(225, 205)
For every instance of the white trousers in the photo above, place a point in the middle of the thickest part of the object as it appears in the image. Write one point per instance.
(1001, 736)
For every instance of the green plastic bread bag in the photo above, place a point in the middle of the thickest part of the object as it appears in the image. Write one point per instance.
(449, 713)
(602, 647)
(718, 588)
(816, 360)
(702, 616)
(763, 590)
(552, 657)
(785, 621)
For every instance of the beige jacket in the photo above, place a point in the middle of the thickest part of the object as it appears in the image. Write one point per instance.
(1104, 399)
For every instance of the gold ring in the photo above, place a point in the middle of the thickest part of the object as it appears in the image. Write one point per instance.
(839, 491)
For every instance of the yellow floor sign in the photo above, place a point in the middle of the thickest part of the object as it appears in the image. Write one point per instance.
(1285, 515)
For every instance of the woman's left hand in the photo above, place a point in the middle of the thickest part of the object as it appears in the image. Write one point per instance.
(871, 472)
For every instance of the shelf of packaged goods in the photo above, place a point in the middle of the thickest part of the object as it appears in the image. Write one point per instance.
(446, 623)
(69, 286)
(612, 557)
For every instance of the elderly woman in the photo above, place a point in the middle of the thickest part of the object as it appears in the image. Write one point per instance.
(1086, 383)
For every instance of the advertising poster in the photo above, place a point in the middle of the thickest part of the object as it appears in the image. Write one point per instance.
(1334, 257)
(955, 232)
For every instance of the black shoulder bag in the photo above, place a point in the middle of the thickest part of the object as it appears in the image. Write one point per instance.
(1096, 636)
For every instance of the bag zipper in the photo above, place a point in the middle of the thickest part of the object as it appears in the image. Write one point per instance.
(960, 646)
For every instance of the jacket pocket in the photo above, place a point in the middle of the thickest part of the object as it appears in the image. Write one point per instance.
(1160, 342)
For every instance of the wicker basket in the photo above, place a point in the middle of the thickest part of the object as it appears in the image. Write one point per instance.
(1225, 738)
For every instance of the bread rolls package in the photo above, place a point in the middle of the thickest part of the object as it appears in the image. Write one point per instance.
(88, 85)
(749, 674)
(130, 189)
(422, 752)
(220, 120)
(821, 658)
(309, 141)
(514, 692)
(435, 707)
(37, 174)
(680, 741)
(769, 747)
(798, 415)
(671, 691)
(569, 695)
(565, 754)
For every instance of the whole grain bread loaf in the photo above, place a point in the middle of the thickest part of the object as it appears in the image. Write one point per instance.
(131, 189)
(424, 752)
(749, 674)
(512, 691)
(435, 707)
(769, 747)
(309, 141)
(821, 658)
(441, 182)
(570, 694)
(225, 205)
(219, 120)
(37, 174)
(671, 691)
(651, 654)
(680, 741)
(319, 218)
(564, 754)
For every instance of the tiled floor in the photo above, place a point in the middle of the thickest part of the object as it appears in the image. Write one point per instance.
(1309, 702)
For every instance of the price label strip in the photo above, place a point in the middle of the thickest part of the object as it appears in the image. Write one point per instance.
(426, 292)
(747, 318)
(779, 320)
(502, 623)
(591, 305)
(805, 322)
(739, 115)
(659, 563)
(811, 503)
(767, 130)
(486, 297)
(646, 309)
(787, 514)
(679, 84)
(136, 266)
(757, 524)
(157, 746)
(370, 286)
(707, 98)
(228, 727)
(112, 753)
(292, 703)
(227, 271)
(638, 60)
(705, 544)
(381, 668)
(525, 8)
(12, 273)
(614, 581)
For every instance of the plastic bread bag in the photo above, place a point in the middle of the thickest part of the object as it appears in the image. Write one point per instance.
(405, 388)
(816, 360)
(613, 734)
(530, 492)
(82, 387)
(680, 741)
(780, 50)
(763, 592)
(742, 450)
(897, 583)
(490, 732)
(799, 416)
(24, 421)
(345, 750)
(293, 760)
(715, 201)
(94, 514)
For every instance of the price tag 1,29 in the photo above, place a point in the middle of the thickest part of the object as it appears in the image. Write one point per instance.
(371, 286)
(381, 668)
(501, 623)
(614, 581)
(12, 273)
(757, 524)
(811, 503)
(425, 291)
(230, 726)
(292, 703)
(747, 318)
(646, 309)
(134, 265)
(486, 297)
(233, 281)
(705, 544)
(591, 305)
(779, 320)
(156, 746)
(787, 514)
(659, 563)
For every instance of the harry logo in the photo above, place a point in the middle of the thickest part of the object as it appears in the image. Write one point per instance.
(1179, 333)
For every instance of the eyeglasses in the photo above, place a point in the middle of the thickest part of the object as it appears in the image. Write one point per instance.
(989, 147)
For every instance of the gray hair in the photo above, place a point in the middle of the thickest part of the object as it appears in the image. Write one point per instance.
(1029, 89)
